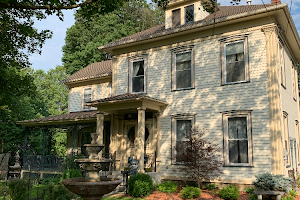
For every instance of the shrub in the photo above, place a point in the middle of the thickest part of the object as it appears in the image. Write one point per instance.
(167, 186)
(71, 173)
(211, 187)
(190, 192)
(192, 183)
(47, 181)
(141, 188)
(268, 181)
(55, 192)
(18, 189)
(249, 190)
(290, 196)
(139, 176)
(229, 193)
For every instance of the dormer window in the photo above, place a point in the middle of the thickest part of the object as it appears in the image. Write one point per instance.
(87, 96)
(176, 18)
(189, 14)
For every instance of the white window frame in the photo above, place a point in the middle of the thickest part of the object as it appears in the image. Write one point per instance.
(83, 102)
(286, 138)
(230, 40)
(281, 52)
(137, 58)
(174, 119)
(235, 114)
(181, 50)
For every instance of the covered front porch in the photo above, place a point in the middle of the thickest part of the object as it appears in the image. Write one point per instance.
(134, 128)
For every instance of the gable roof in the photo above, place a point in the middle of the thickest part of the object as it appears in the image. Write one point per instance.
(94, 70)
(222, 14)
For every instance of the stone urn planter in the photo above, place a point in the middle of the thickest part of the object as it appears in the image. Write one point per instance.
(260, 194)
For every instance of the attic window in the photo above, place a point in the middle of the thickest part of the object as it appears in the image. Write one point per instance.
(176, 18)
(189, 14)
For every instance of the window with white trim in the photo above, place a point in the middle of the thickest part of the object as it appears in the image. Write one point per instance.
(137, 74)
(297, 140)
(237, 134)
(234, 59)
(181, 125)
(183, 68)
(295, 80)
(86, 97)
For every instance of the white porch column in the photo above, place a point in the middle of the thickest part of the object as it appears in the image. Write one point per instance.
(99, 130)
(140, 139)
(158, 141)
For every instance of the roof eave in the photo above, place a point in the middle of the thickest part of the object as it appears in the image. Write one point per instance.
(205, 25)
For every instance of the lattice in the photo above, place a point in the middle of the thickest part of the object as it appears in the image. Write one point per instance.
(189, 14)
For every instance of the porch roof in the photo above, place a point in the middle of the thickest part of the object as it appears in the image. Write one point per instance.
(128, 101)
(70, 118)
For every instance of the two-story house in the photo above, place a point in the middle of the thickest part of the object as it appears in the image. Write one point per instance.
(232, 72)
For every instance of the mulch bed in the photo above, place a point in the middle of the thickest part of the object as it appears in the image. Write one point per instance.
(205, 195)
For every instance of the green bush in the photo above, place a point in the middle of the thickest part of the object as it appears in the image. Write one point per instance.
(190, 192)
(249, 190)
(167, 186)
(290, 196)
(268, 181)
(47, 181)
(71, 173)
(211, 187)
(18, 189)
(69, 163)
(229, 193)
(141, 188)
(55, 192)
(192, 183)
(141, 177)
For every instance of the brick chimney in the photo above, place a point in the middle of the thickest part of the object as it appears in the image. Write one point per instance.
(275, 2)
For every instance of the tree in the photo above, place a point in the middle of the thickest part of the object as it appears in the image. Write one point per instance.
(83, 38)
(199, 156)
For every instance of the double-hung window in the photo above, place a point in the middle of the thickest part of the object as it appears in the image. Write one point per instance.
(234, 60)
(295, 81)
(282, 65)
(286, 145)
(189, 14)
(237, 138)
(182, 125)
(137, 74)
(86, 97)
(183, 69)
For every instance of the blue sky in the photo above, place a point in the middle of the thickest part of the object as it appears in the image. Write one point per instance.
(52, 50)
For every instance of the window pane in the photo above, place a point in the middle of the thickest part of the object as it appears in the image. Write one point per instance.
(235, 48)
(183, 79)
(138, 84)
(234, 57)
(238, 151)
(181, 57)
(183, 65)
(235, 72)
(183, 127)
(176, 17)
(138, 68)
(87, 91)
(237, 128)
(189, 14)
(179, 151)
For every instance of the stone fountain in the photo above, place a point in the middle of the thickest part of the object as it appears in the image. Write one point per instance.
(92, 186)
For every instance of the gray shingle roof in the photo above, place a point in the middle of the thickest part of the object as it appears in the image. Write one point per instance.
(94, 70)
(222, 13)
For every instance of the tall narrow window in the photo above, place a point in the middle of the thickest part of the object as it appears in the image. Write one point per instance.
(297, 141)
(235, 62)
(237, 138)
(181, 125)
(282, 64)
(87, 96)
(295, 81)
(286, 138)
(138, 76)
(189, 14)
(176, 18)
(183, 70)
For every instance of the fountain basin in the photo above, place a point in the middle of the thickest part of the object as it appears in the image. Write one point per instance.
(91, 190)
